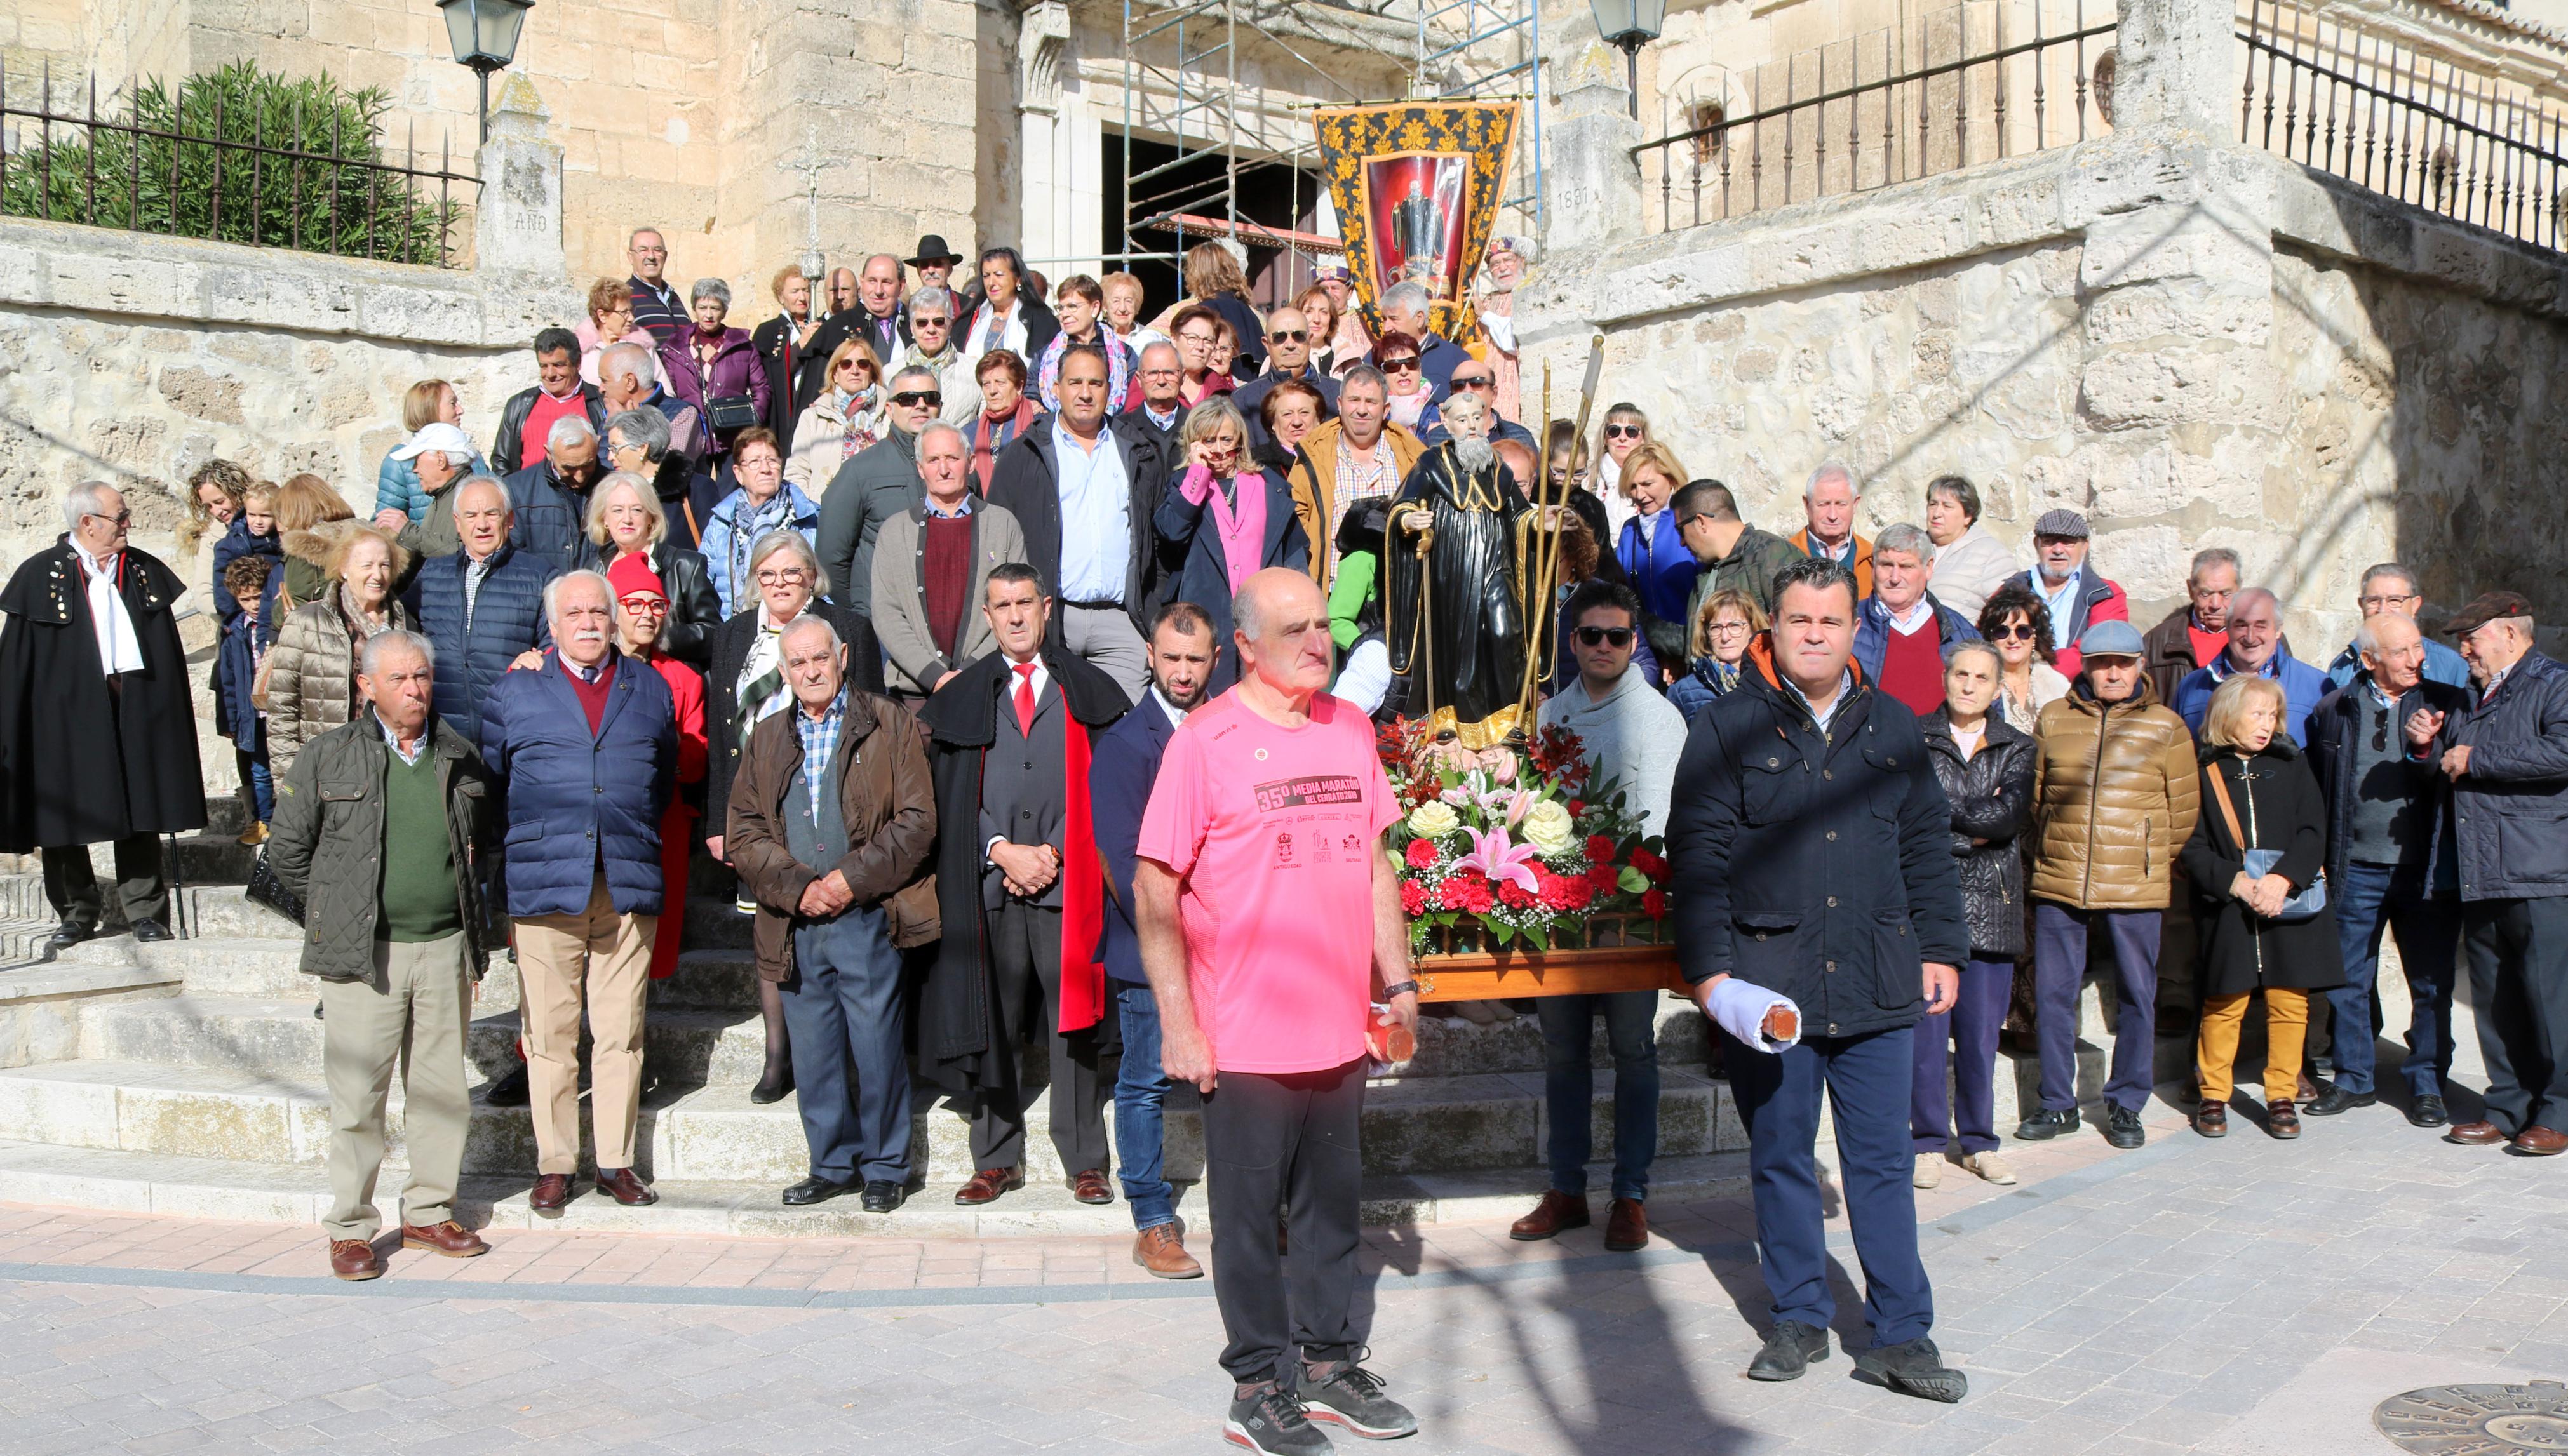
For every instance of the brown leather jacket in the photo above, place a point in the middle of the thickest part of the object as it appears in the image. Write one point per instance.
(2115, 792)
(889, 806)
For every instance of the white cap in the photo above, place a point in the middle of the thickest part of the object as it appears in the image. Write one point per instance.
(435, 434)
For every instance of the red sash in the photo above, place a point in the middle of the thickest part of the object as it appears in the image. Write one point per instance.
(1082, 891)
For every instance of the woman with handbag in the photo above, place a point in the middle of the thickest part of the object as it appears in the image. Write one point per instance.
(716, 368)
(2257, 862)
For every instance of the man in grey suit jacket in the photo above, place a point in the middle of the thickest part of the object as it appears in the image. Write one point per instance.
(929, 567)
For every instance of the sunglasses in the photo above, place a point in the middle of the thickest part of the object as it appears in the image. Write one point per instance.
(920, 321)
(121, 519)
(2019, 630)
(1622, 432)
(1482, 382)
(913, 399)
(1293, 336)
(1602, 635)
(1405, 365)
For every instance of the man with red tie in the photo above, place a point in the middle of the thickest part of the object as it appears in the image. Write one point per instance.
(1020, 892)
(98, 738)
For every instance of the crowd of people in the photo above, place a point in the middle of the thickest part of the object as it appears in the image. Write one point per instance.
(979, 627)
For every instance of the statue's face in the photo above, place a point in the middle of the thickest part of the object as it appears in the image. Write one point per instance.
(1465, 415)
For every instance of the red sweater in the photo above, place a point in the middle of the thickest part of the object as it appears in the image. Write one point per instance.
(539, 422)
(1912, 668)
(592, 696)
(945, 575)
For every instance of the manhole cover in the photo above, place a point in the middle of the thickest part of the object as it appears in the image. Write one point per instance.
(2477, 1420)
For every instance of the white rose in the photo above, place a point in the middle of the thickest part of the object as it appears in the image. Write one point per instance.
(1433, 820)
(1547, 826)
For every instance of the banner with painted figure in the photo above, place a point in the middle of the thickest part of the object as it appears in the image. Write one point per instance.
(1416, 187)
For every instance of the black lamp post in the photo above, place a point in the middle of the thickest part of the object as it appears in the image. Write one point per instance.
(483, 34)
(1628, 25)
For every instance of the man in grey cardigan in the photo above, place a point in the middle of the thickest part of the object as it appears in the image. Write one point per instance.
(1633, 737)
(930, 562)
(879, 482)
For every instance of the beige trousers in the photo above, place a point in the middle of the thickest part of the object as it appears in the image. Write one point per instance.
(414, 1010)
(604, 959)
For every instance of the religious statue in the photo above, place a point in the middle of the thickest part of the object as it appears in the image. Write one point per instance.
(1417, 232)
(1453, 600)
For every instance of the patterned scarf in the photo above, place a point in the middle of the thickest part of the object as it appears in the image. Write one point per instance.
(748, 523)
(861, 432)
(761, 689)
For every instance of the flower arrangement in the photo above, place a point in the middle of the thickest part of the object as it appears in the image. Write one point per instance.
(1507, 845)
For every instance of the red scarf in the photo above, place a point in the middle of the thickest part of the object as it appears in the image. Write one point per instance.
(1082, 891)
(984, 456)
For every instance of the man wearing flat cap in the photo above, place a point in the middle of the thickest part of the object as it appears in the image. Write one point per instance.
(2077, 598)
(2507, 759)
(2114, 798)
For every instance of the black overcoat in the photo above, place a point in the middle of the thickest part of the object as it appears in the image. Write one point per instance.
(78, 766)
(2279, 808)
(956, 1008)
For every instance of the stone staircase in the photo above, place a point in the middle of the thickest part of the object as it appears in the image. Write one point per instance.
(186, 1078)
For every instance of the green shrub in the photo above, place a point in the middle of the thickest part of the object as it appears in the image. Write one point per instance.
(159, 168)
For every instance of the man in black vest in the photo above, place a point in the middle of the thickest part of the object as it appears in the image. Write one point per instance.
(1020, 892)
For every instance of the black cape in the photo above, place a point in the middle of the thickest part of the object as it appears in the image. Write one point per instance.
(78, 766)
(958, 1047)
(1476, 631)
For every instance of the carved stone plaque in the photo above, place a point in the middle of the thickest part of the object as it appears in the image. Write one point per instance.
(2477, 1420)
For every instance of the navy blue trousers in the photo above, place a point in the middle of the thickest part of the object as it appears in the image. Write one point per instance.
(2060, 967)
(843, 1016)
(1867, 1079)
(1965, 1109)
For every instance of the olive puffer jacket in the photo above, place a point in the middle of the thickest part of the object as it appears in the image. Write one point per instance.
(312, 675)
(2114, 793)
(329, 838)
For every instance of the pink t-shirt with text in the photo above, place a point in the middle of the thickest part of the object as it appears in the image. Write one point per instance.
(1275, 832)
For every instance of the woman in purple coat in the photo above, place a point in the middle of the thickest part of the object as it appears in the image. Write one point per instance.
(712, 362)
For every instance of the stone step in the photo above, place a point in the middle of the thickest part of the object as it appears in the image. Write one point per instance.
(212, 1188)
(715, 1135)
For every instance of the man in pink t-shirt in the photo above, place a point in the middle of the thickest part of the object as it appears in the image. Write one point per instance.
(1268, 908)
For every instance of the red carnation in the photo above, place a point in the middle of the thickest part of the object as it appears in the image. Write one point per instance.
(1468, 891)
(1605, 878)
(1421, 854)
(1564, 893)
(1599, 848)
(1649, 864)
(1412, 897)
(1515, 896)
(1577, 807)
(1654, 904)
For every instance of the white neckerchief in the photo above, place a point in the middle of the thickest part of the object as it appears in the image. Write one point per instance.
(119, 648)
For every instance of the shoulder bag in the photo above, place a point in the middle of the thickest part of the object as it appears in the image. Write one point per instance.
(2260, 862)
(264, 887)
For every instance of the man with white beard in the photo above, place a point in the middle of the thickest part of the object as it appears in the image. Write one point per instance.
(1474, 644)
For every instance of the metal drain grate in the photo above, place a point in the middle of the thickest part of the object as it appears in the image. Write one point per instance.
(2477, 1420)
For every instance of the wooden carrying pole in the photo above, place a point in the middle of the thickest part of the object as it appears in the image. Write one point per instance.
(1542, 612)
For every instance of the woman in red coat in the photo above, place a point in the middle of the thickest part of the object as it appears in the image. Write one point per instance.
(641, 608)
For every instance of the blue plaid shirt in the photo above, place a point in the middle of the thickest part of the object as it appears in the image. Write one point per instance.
(819, 744)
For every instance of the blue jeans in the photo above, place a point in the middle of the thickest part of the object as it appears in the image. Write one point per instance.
(1569, 1086)
(1866, 1079)
(262, 789)
(1141, 1089)
(2369, 898)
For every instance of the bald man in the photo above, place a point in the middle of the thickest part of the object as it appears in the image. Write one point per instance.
(2255, 646)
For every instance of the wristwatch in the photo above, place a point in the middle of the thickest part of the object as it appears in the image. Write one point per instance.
(1398, 989)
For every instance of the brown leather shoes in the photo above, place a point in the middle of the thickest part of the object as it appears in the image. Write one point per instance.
(2479, 1134)
(448, 1238)
(2539, 1142)
(552, 1190)
(354, 1258)
(1162, 1250)
(1090, 1186)
(629, 1190)
(1556, 1212)
(2211, 1120)
(2283, 1120)
(986, 1186)
(1626, 1226)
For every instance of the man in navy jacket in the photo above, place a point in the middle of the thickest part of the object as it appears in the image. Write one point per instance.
(1810, 850)
(586, 750)
(1120, 777)
(482, 607)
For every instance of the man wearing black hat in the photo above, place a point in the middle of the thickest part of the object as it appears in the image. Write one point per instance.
(2507, 759)
(934, 261)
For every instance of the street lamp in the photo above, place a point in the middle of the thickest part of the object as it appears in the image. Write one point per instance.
(1629, 25)
(483, 34)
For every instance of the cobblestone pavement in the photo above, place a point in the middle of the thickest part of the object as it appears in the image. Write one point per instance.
(2245, 1297)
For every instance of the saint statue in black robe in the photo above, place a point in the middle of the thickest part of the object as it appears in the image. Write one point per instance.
(1455, 618)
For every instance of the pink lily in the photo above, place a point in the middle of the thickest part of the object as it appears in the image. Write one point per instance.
(1498, 859)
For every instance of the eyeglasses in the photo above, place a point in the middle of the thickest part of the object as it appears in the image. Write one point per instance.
(1200, 341)
(2013, 632)
(1600, 636)
(1622, 432)
(915, 399)
(645, 606)
(1402, 366)
(1731, 628)
(2375, 604)
(921, 321)
(783, 576)
(121, 519)
(1292, 336)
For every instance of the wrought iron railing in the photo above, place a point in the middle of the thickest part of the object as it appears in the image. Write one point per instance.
(317, 178)
(1983, 79)
(2376, 112)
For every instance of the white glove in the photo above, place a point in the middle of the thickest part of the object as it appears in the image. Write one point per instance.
(1741, 1009)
